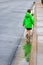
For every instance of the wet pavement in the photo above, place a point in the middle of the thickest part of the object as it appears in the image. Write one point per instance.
(11, 30)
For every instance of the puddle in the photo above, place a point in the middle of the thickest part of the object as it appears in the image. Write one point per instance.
(23, 62)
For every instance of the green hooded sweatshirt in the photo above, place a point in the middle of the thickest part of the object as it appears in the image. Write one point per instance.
(28, 20)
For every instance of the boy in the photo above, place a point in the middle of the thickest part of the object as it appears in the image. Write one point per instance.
(27, 23)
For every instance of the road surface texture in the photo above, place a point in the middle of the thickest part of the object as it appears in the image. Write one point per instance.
(11, 30)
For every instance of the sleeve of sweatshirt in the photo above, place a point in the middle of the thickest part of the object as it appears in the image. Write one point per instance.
(32, 19)
(23, 21)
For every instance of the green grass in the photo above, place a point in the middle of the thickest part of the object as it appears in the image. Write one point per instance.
(27, 51)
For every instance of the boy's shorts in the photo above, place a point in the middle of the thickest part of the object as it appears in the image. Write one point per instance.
(29, 28)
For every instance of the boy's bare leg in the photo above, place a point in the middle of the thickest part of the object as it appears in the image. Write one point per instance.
(28, 36)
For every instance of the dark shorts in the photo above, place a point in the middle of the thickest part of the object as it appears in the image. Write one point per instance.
(29, 28)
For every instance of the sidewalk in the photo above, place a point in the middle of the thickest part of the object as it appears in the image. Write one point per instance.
(19, 57)
(37, 44)
(39, 24)
(38, 58)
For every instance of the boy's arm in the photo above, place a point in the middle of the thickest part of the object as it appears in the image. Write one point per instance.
(32, 19)
(23, 21)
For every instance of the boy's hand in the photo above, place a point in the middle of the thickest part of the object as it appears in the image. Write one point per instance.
(33, 24)
(22, 25)
(32, 14)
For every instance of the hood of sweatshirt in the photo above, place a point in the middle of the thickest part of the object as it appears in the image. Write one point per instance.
(27, 15)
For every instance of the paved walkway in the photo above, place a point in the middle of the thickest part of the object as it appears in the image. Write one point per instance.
(37, 44)
(39, 29)
(39, 34)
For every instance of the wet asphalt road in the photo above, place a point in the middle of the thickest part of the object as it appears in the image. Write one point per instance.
(11, 30)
